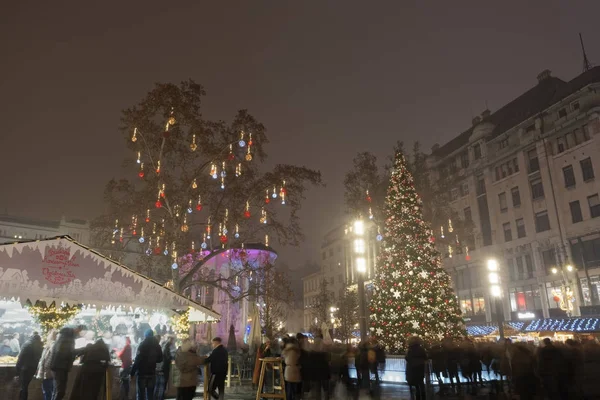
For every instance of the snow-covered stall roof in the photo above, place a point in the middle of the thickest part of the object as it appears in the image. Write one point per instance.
(60, 269)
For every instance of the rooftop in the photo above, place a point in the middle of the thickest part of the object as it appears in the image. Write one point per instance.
(38, 222)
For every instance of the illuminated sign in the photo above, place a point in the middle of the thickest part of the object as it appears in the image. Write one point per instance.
(526, 315)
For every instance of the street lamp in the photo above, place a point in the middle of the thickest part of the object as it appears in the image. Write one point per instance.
(361, 268)
(496, 292)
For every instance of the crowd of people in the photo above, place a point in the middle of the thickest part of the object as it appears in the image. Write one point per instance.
(52, 361)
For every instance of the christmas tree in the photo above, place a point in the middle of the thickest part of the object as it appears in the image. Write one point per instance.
(413, 294)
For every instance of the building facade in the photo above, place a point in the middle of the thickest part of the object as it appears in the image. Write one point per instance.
(14, 228)
(526, 179)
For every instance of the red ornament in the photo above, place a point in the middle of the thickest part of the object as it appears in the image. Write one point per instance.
(223, 239)
(158, 204)
(267, 200)
(157, 250)
(147, 219)
(250, 143)
(231, 157)
(556, 299)
(369, 199)
(468, 257)
(246, 214)
(432, 239)
(283, 190)
(141, 174)
(134, 232)
(199, 207)
(162, 194)
(166, 134)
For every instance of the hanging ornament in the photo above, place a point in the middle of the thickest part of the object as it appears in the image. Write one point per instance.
(267, 198)
(190, 209)
(238, 170)
(222, 182)
(134, 137)
(171, 120)
(282, 193)
(237, 232)
(213, 171)
(231, 156)
(267, 240)
(161, 192)
(141, 173)
(248, 155)
(121, 235)
(442, 231)
(467, 255)
(250, 142)
(184, 226)
(450, 229)
(158, 203)
(242, 142)
(204, 245)
(370, 213)
(193, 145)
(141, 239)
(199, 204)
(220, 229)
(194, 184)
(368, 197)
(274, 195)
(139, 157)
(115, 231)
(223, 172)
(379, 237)
(247, 210)
(208, 229)
(449, 251)
(148, 215)
(263, 216)
(158, 167)
(134, 225)
(223, 239)
(177, 209)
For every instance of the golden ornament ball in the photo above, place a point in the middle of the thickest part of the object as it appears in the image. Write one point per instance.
(248, 157)
(185, 228)
(172, 121)
(193, 146)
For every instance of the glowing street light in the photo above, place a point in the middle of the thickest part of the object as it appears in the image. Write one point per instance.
(496, 292)
(361, 268)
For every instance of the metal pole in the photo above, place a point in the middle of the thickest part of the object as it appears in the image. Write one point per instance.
(500, 317)
(362, 307)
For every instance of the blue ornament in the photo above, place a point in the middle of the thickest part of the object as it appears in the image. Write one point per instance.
(189, 210)
(166, 252)
(203, 245)
(148, 252)
(379, 238)
(274, 195)
(174, 265)
(237, 235)
(215, 176)
(242, 143)
(225, 231)
(141, 239)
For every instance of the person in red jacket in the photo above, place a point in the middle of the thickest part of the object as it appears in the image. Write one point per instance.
(125, 356)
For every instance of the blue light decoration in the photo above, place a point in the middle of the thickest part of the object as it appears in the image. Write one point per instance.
(203, 245)
(166, 252)
(174, 265)
(189, 210)
(516, 325)
(237, 235)
(215, 176)
(586, 324)
(481, 330)
(242, 143)
(246, 333)
(148, 252)
(141, 239)
(379, 238)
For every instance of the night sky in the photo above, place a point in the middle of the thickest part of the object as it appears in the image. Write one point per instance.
(328, 79)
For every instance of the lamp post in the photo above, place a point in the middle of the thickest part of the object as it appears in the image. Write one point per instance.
(496, 293)
(361, 269)
(566, 291)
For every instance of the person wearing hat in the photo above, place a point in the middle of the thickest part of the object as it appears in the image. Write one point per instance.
(148, 355)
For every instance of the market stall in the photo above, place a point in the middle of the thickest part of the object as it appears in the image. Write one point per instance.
(46, 283)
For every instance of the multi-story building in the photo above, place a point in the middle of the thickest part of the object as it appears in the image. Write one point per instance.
(526, 178)
(338, 267)
(13, 228)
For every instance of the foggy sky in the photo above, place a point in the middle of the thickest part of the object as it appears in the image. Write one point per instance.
(327, 78)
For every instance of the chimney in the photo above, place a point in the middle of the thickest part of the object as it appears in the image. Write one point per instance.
(435, 148)
(485, 114)
(476, 120)
(545, 74)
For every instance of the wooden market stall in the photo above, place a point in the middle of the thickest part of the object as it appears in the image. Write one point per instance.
(61, 272)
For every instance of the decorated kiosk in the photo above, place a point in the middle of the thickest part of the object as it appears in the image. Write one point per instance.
(47, 284)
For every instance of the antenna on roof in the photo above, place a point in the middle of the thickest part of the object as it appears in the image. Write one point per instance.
(586, 63)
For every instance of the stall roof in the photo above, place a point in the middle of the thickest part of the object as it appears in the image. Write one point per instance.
(490, 329)
(575, 325)
(63, 270)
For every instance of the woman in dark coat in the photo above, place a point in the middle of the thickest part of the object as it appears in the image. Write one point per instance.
(416, 357)
(90, 379)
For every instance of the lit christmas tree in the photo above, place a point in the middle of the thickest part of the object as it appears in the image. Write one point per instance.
(413, 294)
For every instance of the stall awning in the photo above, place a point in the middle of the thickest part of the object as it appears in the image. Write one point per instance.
(62, 270)
(575, 325)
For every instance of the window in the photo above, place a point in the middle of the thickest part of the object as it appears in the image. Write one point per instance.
(575, 105)
(525, 298)
(587, 169)
(549, 260)
(511, 269)
(585, 132)
(537, 189)
(507, 169)
(464, 189)
(507, 232)
(534, 164)
(516, 196)
(569, 176)
(480, 188)
(503, 143)
(521, 228)
(464, 160)
(594, 203)
(454, 194)
(542, 222)
(477, 151)
(562, 113)
(502, 202)
(560, 145)
(570, 139)
(528, 266)
(575, 211)
(520, 268)
(468, 216)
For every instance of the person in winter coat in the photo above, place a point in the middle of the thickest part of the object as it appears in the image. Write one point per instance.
(125, 355)
(552, 371)
(187, 363)
(63, 355)
(292, 376)
(90, 378)
(148, 355)
(44, 373)
(163, 369)
(27, 363)
(219, 360)
(416, 357)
